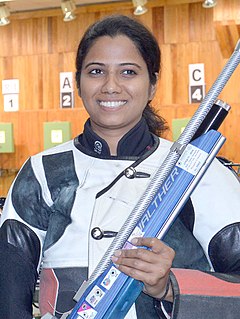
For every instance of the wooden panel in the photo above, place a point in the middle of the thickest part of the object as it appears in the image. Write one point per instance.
(26, 37)
(6, 42)
(28, 70)
(226, 17)
(50, 80)
(176, 24)
(6, 67)
(1, 78)
(200, 23)
(232, 132)
(158, 23)
(10, 161)
(227, 36)
(227, 10)
(165, 86)
(68, 34)
(5, 183)
(28, 136)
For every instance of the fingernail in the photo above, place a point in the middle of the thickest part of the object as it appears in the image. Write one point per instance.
(134, 241)
(114, 259)
(117, 253)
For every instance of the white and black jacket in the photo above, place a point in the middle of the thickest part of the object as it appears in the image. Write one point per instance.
(63, 193)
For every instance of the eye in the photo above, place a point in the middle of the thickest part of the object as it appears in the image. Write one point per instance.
(129, 72)
(96, 71)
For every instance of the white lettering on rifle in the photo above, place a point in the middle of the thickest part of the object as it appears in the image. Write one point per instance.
(158, 198)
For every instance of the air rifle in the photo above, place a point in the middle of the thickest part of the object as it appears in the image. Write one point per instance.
(108, 293)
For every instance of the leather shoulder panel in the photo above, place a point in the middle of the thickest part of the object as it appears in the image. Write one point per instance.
(224, 249)
(21, 237)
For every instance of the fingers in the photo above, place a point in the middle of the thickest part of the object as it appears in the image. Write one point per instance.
(151, 264)
(139, 259)
(143, 264)
(136, 258)
(155, 245)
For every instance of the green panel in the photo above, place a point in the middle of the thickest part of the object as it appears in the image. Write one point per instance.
(178, 125)
(56, 133)
(6, 138)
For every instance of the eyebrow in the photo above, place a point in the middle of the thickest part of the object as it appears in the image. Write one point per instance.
(120, 64)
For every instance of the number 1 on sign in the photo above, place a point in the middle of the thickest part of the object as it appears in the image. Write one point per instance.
(11, 102)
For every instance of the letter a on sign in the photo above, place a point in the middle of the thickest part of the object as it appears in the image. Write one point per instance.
(66, 82)
(66, 90)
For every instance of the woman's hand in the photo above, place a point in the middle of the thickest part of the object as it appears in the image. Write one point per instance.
(151, 266)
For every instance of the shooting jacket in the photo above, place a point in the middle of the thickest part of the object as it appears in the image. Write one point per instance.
(63, 194)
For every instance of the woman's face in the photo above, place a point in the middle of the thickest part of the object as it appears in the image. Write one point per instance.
(114, 85)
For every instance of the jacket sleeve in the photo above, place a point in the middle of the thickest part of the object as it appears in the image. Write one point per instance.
(19, 255)
(20, 245)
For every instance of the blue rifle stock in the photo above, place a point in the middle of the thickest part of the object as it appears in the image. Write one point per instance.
(108, 293)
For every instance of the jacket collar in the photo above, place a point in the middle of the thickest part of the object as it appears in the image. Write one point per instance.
(133, 144)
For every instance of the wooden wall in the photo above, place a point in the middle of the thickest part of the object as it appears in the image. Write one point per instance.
(36, 46)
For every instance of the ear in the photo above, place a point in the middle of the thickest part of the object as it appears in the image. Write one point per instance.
(77, 79)
(153, 88)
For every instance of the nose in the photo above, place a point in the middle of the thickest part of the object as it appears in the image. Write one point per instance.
(111, 84)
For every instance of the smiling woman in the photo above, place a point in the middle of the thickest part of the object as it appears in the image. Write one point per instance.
(118, 65)
(115, 87)
(66, 195)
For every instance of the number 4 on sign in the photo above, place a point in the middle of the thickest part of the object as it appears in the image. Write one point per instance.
(196, 93)
(10, 102)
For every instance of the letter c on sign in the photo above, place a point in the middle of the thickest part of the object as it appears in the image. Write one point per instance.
(195, 78)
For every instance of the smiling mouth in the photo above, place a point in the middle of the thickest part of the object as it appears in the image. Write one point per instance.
(112, 104)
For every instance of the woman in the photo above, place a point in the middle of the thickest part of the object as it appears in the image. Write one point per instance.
(62, 197)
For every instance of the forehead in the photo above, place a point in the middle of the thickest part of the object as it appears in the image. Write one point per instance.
(111, 49)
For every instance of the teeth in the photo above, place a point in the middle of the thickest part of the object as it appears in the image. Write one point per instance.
(112, 104)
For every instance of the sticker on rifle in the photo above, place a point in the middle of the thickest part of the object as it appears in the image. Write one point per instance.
(110, 278)
(95, 296)
(86, 312)
(192, 159)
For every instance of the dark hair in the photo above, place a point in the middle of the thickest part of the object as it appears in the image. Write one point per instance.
(144, 41)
